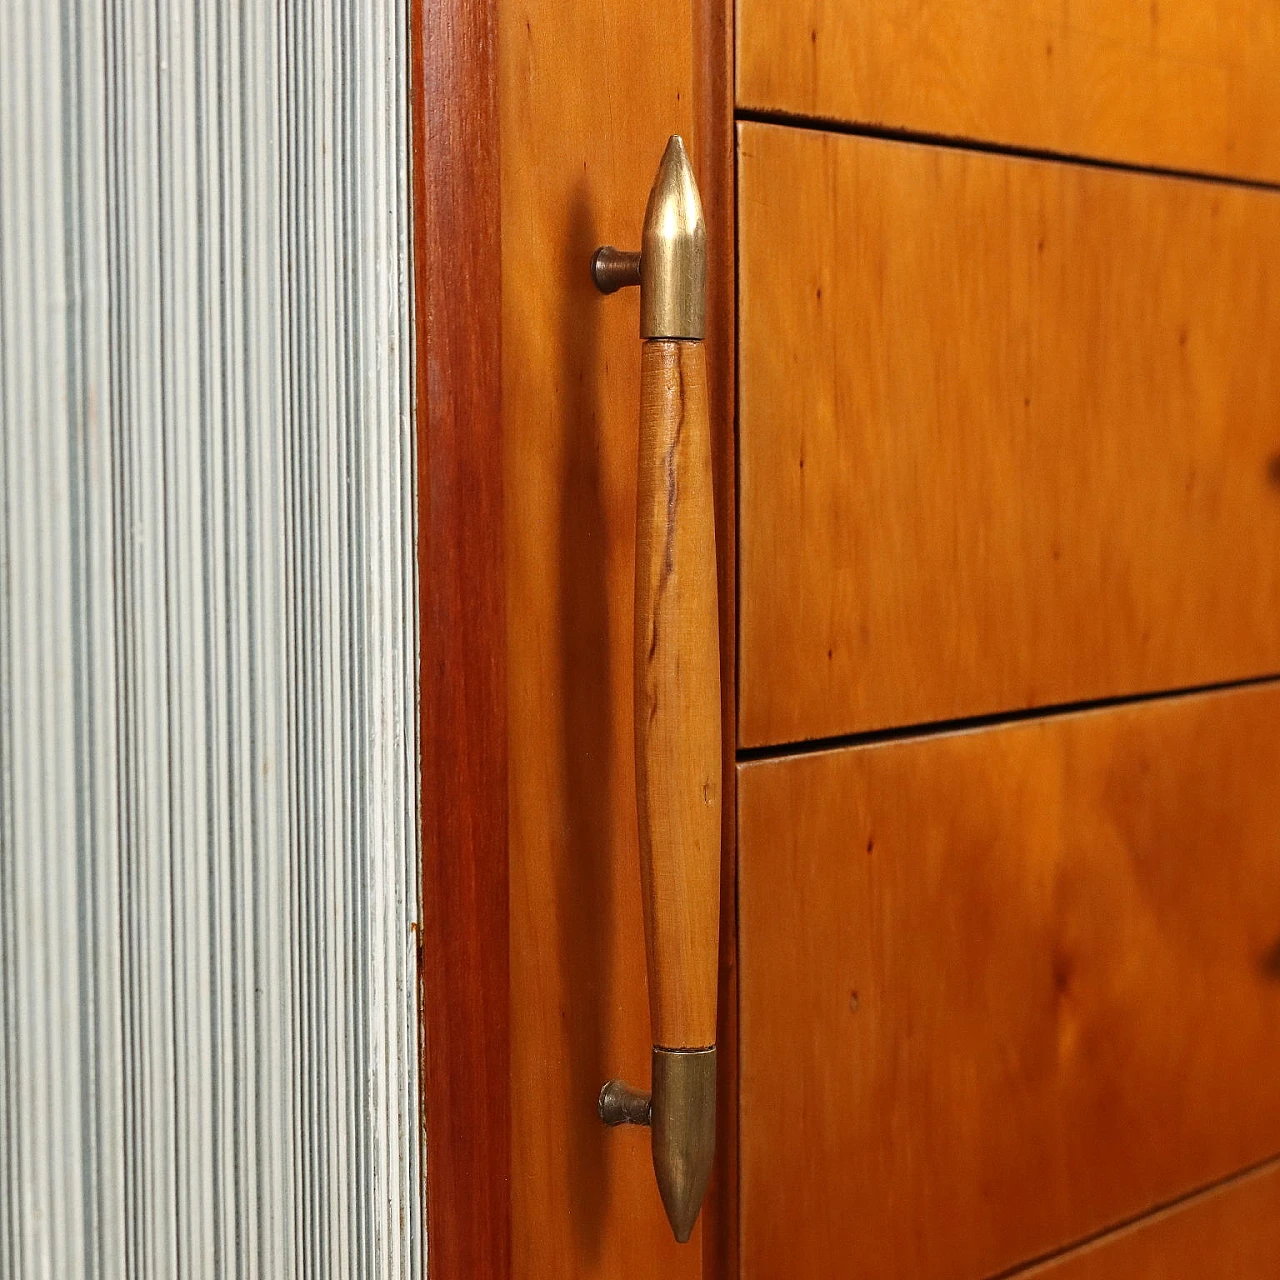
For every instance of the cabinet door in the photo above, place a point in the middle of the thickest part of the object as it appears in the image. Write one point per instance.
(589, 97)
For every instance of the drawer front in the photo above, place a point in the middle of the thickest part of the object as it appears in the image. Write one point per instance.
(1182, 84)
(1005, 988)
(1009, 433)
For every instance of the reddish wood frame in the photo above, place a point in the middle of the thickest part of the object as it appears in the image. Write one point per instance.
(463, 965)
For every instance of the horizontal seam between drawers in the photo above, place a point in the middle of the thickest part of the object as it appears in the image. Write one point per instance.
(990, 720)
(1148, 1217)
(886, 133)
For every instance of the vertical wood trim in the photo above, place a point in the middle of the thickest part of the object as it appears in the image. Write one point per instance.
(715, 162)
(464, 961)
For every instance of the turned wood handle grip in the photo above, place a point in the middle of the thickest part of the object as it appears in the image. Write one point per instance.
(677, 691)
(677, 695)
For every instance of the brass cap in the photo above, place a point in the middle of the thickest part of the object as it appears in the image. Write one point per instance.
(673, 253)
(683, 1117)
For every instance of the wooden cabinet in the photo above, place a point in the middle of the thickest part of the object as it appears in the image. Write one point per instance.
(993, 355)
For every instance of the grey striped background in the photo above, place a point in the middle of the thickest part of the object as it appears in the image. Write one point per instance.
(208, 752)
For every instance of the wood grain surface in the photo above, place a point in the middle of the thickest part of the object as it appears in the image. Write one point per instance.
(1232, 1231)
(589, 96)
(714, 153)
(464, 986)
(1009, 433)
(1005, 988)
(677, 695)
(1179, 84)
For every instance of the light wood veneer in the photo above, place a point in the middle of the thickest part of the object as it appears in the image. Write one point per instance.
(1005, 988)
(1009, 434)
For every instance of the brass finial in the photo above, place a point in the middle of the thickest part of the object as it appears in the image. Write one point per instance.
(673, 252)
(684, 1132)
(681, 1113)
(671, 267)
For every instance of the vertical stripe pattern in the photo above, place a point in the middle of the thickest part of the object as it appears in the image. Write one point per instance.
(208, 748)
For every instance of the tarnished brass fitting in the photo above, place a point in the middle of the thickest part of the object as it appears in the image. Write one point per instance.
(671, 267)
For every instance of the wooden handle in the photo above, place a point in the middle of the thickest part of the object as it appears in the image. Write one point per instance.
(677, 690)
(677, 695)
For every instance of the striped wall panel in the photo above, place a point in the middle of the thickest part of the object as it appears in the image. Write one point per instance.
(208, 751)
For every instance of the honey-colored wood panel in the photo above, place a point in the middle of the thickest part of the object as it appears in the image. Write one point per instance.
(1180, 84)
(1232, 1231)
(1009, 433)
(589, 96)
(1005, 988)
